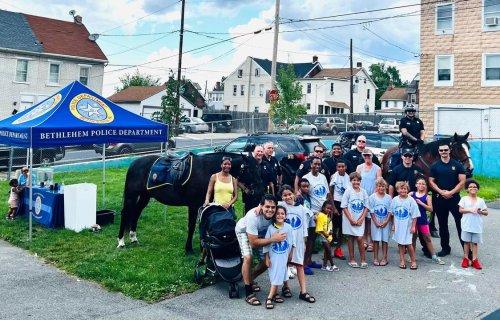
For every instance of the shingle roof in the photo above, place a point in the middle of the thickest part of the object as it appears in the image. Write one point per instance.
(136, 94)
(301, 69)
(336, 104)
(25, 32)
(395, 94)
(338, 73)
(16, 33)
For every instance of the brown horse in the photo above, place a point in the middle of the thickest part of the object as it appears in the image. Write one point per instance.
(428, 154)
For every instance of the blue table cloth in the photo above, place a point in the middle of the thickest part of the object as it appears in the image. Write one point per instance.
(48, 207)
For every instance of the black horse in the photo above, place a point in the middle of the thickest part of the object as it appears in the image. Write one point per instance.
(191, 194)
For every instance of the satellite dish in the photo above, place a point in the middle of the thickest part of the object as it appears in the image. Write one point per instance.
(72, 12)
(93, 36)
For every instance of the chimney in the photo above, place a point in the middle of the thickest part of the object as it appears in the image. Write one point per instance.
(389, 86)
(359, 65)
(315, 59)
(78, 19)
(217, 86)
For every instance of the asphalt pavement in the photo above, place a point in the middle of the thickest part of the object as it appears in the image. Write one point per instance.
(31, 288)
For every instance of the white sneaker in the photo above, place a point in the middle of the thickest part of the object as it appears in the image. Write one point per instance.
(334, 268)
(439, 261)
(293, 270)
(290, 273)
(325, 268)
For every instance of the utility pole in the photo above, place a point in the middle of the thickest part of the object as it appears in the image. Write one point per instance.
(275, 43)
(351, 106)
(179, 67)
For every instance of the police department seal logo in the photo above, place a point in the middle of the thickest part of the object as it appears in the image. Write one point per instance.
(38, 206)
(39, 110)
(88, 108)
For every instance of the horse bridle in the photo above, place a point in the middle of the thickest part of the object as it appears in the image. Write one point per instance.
(453, 146)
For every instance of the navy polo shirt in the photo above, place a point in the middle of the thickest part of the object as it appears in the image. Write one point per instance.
(356, 158)
(402, 173)
(413, 126)
(446, 174)
(272, 167)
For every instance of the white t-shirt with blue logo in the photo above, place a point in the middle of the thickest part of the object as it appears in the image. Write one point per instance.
(298, 217)
(380, 207)
(340, 184)
(318, 189)
(472, 222)
(278, 254)
(404, 211)
(355, 202)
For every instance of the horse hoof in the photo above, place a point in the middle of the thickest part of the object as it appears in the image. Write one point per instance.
(120, 246)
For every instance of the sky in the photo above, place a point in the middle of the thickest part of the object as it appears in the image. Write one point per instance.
(219, 34)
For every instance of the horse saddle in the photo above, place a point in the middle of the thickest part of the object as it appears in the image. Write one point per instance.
(174, 170)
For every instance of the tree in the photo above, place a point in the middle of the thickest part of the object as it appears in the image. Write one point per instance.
(171, 112)
(137, 80)
(382, 75)
(288, 106)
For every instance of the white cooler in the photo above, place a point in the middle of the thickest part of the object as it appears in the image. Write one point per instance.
(79, 206)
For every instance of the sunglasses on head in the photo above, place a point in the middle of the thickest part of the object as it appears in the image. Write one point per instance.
(227, 158)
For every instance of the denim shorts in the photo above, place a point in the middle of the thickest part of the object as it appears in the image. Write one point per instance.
(472, 237)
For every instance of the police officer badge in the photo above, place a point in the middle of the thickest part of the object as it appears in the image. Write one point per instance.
(301, 166)
(453, 168)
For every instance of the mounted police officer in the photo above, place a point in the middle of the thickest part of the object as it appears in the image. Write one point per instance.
(412, 130)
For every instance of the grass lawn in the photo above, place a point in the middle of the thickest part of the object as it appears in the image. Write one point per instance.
(152, 270)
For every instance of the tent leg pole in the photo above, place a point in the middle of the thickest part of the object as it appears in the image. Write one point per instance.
(103, 175)
(30, 203)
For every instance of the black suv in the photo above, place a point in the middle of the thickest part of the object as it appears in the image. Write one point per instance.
(40, 155)
(290, 150)
(222, 122)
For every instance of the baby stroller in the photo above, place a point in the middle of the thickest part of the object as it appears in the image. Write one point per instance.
(221, 252)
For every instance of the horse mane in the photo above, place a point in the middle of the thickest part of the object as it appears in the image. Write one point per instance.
(432, 147)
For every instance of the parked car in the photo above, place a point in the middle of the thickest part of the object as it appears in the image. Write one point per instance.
(289, 149)
(221, 122)
(301, 126)
(331, 125)
(388, 125)
(40, 155)
(377, 142)
(113, 149)
(364, 126)
(194, 125)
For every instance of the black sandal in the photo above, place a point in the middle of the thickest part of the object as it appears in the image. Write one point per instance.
(269, 304)
(252, 300)
(278, 299)
(307, 297)
(285, 291)
(255, 287)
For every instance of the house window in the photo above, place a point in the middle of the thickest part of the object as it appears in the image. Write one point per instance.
(252, 90)
(257, 72)
(54, 72)
(491, 70)
(491, 15)
(443, 71)
(331, 88)
(413, 98)
(444, 18)
(308, 87)
(227, 108)
(355, 88)
(22, 71)
(84, 75)
(256, 109)
(235, 107)
(240, 73)
(367, 93)
(235, 90)
(386, 104)
(308, 105)
(242, 90)
(261, 90)
(320, 109)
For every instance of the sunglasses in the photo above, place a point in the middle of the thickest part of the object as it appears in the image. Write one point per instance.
(319, 151)
(361, 141)
(444, 150)
(408, 155)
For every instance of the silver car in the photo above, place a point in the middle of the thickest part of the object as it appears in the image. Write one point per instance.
(301, 126)
(194, 124)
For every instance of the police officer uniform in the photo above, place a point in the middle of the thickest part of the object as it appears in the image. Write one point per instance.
(414, 126)
(273, 170)
(252, 199)
(355, 157)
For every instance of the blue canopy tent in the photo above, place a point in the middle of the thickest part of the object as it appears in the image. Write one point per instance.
(74, 116)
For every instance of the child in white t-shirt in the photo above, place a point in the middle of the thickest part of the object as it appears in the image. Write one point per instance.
(472, 208)
(339, 183)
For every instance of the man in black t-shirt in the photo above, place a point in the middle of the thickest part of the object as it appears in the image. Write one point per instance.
(273, 168)
(355, 156)
(253, 194)
(447, 178)
(337, 154)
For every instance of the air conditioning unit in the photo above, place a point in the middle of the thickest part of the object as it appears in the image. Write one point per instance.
(491, 21)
